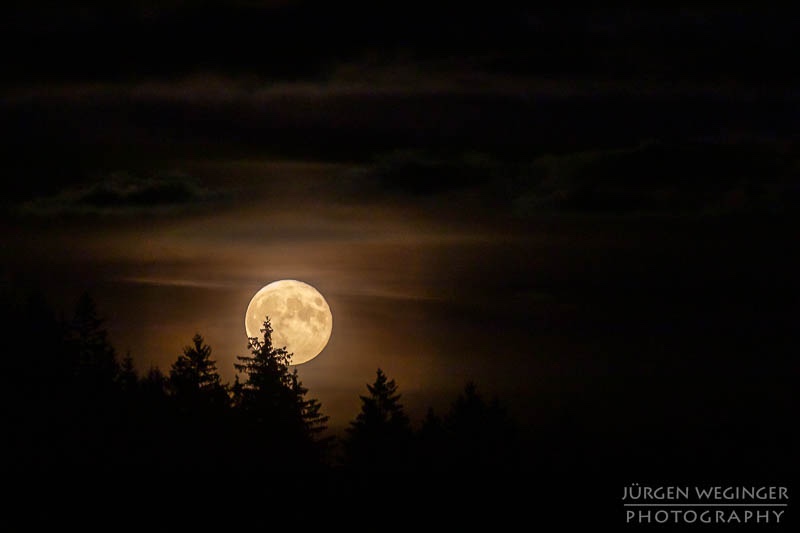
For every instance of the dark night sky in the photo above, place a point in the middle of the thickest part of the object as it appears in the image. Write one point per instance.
(589, 212)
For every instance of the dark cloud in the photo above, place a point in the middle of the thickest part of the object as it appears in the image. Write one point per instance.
(421, 173)
(669, 178)
(654, 177)
(124, 194)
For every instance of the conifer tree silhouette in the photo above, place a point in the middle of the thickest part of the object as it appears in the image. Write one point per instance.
(479, 435)
(154, 384)
(430, 444)
(88, 426)
(155, 419)
(379, 437)
(95, 359)
(194, 380)
(127, 378)
(34, 388)
(273, 405)
(199, 400)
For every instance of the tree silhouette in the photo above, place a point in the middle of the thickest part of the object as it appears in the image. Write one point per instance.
(34, 386)
(273, 405)
(193, 378)
(94, 358)
(90, 421)
(154, 384)
(310, 410)
(430, 444)
(479, 435)
(155, 418)
(379, 437)
(128, 378)
(198, 400)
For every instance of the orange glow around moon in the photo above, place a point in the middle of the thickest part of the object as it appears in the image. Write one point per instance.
(300, 316)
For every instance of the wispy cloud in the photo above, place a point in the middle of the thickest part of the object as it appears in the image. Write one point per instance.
(177, 282)
(363, 78)
(125, 194)
(660, 178)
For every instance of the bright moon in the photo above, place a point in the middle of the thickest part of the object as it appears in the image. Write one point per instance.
(300, 317)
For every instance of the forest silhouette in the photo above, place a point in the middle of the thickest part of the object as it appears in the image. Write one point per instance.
(75, 406)
(75, 409)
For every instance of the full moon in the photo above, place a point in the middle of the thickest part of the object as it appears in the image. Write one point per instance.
(300, 317)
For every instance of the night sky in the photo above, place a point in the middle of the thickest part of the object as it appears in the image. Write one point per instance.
(590, 213)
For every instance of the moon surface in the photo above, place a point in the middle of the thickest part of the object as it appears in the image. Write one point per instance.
(300, 317)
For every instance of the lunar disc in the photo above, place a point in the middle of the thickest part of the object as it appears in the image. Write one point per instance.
(300, 317)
